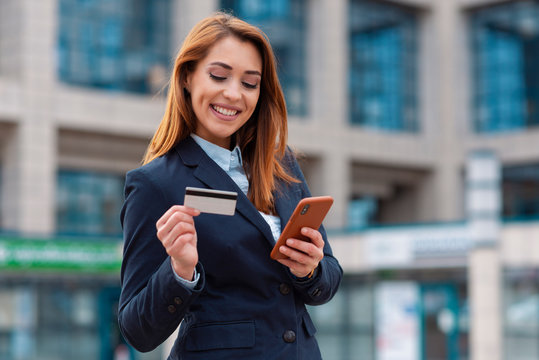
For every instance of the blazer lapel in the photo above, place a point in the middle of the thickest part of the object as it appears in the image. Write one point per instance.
(208, 172)
(285, 202)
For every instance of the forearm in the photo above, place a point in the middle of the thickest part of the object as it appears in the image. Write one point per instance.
(322, 287)
(152, 315)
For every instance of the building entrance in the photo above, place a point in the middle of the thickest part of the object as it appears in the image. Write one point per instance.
(440, 328)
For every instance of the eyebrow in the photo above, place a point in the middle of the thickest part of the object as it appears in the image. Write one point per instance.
(228, 67)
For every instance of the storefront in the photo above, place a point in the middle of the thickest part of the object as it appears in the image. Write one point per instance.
(59, 299)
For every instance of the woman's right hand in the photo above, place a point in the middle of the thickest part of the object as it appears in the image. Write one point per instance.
(176, 231)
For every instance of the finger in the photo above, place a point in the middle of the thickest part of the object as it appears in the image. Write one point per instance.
(301, 245)
(174, 218)
(174, 209)
(182, 244)
(164, 218)
(295, 255)
(297, 269)
(314, 235)
(180, 228)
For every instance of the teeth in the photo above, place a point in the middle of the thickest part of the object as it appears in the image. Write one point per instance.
(224, 111)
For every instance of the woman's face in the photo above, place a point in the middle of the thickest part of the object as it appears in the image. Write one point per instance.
(224, 88)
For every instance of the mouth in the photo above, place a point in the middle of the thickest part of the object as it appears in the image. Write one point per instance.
(225, 111)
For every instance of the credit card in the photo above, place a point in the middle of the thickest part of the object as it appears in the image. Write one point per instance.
(211, 201)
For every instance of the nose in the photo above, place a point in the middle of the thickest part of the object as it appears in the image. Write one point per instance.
(232, 92)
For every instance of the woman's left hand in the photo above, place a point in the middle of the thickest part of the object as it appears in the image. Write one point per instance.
(303, 256)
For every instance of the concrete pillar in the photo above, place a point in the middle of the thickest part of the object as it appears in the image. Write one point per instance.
(10, 39)
(327, 63)
(30, 157)
(336, 181)
(484, 267)
(328, 100)
(444, 126)
(187, 14)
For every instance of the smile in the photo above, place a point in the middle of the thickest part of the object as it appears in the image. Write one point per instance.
(224, 111)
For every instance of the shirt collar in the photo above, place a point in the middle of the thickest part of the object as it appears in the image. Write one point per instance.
(223, 157)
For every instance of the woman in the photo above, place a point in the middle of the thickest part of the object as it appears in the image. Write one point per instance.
(225, 128)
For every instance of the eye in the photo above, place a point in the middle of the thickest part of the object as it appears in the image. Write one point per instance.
(249, 85)
(217, 78)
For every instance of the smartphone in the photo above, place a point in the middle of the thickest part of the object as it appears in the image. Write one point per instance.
(310, 212)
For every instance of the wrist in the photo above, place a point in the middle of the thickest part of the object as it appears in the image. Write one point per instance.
(184, 272)
(308, 276)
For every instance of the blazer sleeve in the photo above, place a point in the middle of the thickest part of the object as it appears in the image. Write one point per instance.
(152, 301)
(322, 287)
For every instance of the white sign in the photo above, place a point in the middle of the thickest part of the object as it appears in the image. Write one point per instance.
(397, 321)
(401, 247)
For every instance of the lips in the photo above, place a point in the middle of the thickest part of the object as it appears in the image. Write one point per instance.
(225, 112)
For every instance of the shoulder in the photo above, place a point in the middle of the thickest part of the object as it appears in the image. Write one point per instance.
(291, 164)
(148, 171)
(156, 176)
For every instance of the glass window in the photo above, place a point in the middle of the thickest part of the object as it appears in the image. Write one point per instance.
(115, 45)
(383, 66)
(505, 49)
(521, 191)
(284, 22)
(521, 313)
(1, 197)
(362, 212)
(346, 324)
(89, 203)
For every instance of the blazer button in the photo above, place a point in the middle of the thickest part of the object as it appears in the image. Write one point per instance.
(178, 300)
(171, 309)
(289, 336)
(284, 289)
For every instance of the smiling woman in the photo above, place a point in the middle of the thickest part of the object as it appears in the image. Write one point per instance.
(224, 89)
(225, 128)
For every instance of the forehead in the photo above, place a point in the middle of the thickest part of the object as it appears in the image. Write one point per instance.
(239, 54)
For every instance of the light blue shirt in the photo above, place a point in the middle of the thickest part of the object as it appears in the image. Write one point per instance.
(231, 162)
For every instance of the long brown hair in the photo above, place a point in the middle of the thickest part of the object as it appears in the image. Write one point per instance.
(262, 139)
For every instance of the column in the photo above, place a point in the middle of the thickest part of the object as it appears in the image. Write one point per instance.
(30, 158)
(484, 267)
(443, 127)
(335, 174)
(327, 63)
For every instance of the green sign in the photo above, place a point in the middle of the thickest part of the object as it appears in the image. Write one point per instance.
(60, 254)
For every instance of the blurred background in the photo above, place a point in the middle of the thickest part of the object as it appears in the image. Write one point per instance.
(418, 116)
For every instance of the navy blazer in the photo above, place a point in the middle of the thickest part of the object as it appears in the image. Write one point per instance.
(245, 305)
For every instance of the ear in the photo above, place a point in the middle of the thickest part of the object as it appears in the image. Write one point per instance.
(187, 82)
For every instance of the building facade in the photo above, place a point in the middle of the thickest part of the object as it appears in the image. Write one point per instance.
(389, 102)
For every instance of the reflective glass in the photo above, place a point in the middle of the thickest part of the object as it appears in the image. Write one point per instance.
(520, 192)
(505, 53)
(115, 45)
(362, 212)
(284, 22)
(383, 70)
(346, 325)
(88, 203)
(521, 313)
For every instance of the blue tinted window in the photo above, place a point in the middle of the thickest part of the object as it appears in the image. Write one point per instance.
(521, 191)
(113, 44)
(283, 21)
(1, 196)
(383, 69)
(505, 48)
(362, 212)
(88, 203)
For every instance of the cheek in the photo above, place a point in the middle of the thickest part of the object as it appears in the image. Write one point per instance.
(253, 101)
